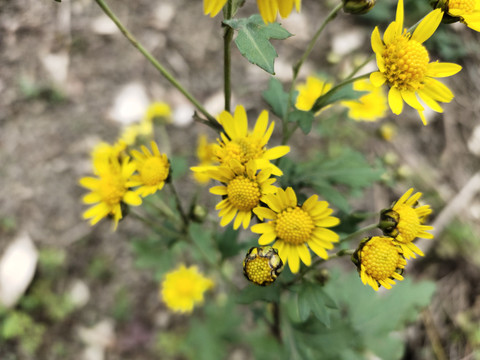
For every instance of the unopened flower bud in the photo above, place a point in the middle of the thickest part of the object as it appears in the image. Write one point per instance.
(358, 6)
(262, 265)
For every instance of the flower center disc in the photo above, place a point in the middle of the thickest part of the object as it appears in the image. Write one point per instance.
(406, 63)
(153, 171)
(259, 270)
(467, 6)
(111, 189)
(294, 225)
(380, 258)
(242, 150)
(408, 225)
(243, 193)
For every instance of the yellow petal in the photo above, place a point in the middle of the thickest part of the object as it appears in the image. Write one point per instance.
(304, 254)
(437, 91)
(240, 121)
(276, 152)
(395, 101)
(399, 18)
(427, 26)
(377, 79)
(432, 104)
(268, 10)
(436, 69)
(376, 41)
(261, 124)
(411, 99)
(132, 198)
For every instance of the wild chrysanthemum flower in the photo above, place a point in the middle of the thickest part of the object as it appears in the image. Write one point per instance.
(184, 288)
(369, 107)
(296, 228)
(131, 132)
(103, 153)
(213, 7)
(153, 169)
(310, 91)
(404, 65)
(379, 262)
(157, 111)
(242, 190)
(241, 144)
(269, 8)
(262, 265)
(110, 190)
(206, 156)
(466, 11)
(404, 222)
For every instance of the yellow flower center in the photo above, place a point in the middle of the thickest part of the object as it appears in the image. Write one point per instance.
(406, 63)
(185, 288)
(153, 171)
(408, 224)
(243, 193)
(112, 189)
(294, 225)
(380, 258)
(467, 6)
(259, 271)
(242, 150)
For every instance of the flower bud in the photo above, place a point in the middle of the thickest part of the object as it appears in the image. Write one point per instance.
(262, 265)
(358, 7)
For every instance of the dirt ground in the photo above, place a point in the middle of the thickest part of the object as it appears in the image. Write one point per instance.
(62, 66)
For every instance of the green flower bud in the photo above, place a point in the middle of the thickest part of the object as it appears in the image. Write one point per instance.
(358, 6)
(262, 265)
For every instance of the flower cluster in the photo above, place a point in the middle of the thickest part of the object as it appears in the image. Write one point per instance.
(123, 175)
(381, 259)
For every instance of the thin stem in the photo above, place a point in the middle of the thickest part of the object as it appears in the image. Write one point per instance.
(152, 224)
(359, 67)
(358, 232)
(154, 61)
(312, 42)
(227, 56)
(179, 205)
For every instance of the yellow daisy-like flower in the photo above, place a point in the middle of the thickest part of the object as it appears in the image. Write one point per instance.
(269, 8)
(404, 222)
(310, 91)
(206, 155)
(293, 227)
(131, 132)
(404, 65)
(243, 145)
(213, 7)
(369, 107)
(153, 169)
(184, 288)
(110, 190)
(242, 191)
(157, 111)
(103, 153)
(379, 262)
(466, 11)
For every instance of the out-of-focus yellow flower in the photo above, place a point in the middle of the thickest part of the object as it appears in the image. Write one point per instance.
(184, 288)
(213, 7)
(158, 111)
(369, 107)
(310, 91)
(269, 8)
(206, 156)
(465, 11)
(404, 65)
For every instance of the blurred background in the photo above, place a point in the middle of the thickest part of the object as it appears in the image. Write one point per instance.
(69, 79)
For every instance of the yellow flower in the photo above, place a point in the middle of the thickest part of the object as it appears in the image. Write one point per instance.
(262, 265)
(404, 222)
(241, 144)
(379, 262)
(466, 11)
(269, 8)
(103, 153)
(293, 227)
(213, 7)
(184, 288)
(153, 169)
(157, 111)
(131, 132)
(242, 191)
(404, 65)
(310, 91)
(110, 190)
(369, 107)
(205, 153)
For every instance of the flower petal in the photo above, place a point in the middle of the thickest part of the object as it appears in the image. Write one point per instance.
(377, 79)
(427, 26)
(395, 101)
(437, 69)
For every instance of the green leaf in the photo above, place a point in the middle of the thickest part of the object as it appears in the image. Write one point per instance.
(253, 40)
(227, 242)
(276, 97)
(203, 240)
(312, 298)
(303, 118)
(251, 293)
(178, 166)
(344, 92)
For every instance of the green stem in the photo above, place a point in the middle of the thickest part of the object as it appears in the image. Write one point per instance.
(182, 213)
(358, 232)
(152, 224)
(154, 61)
(359, 67)
(227, 56)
